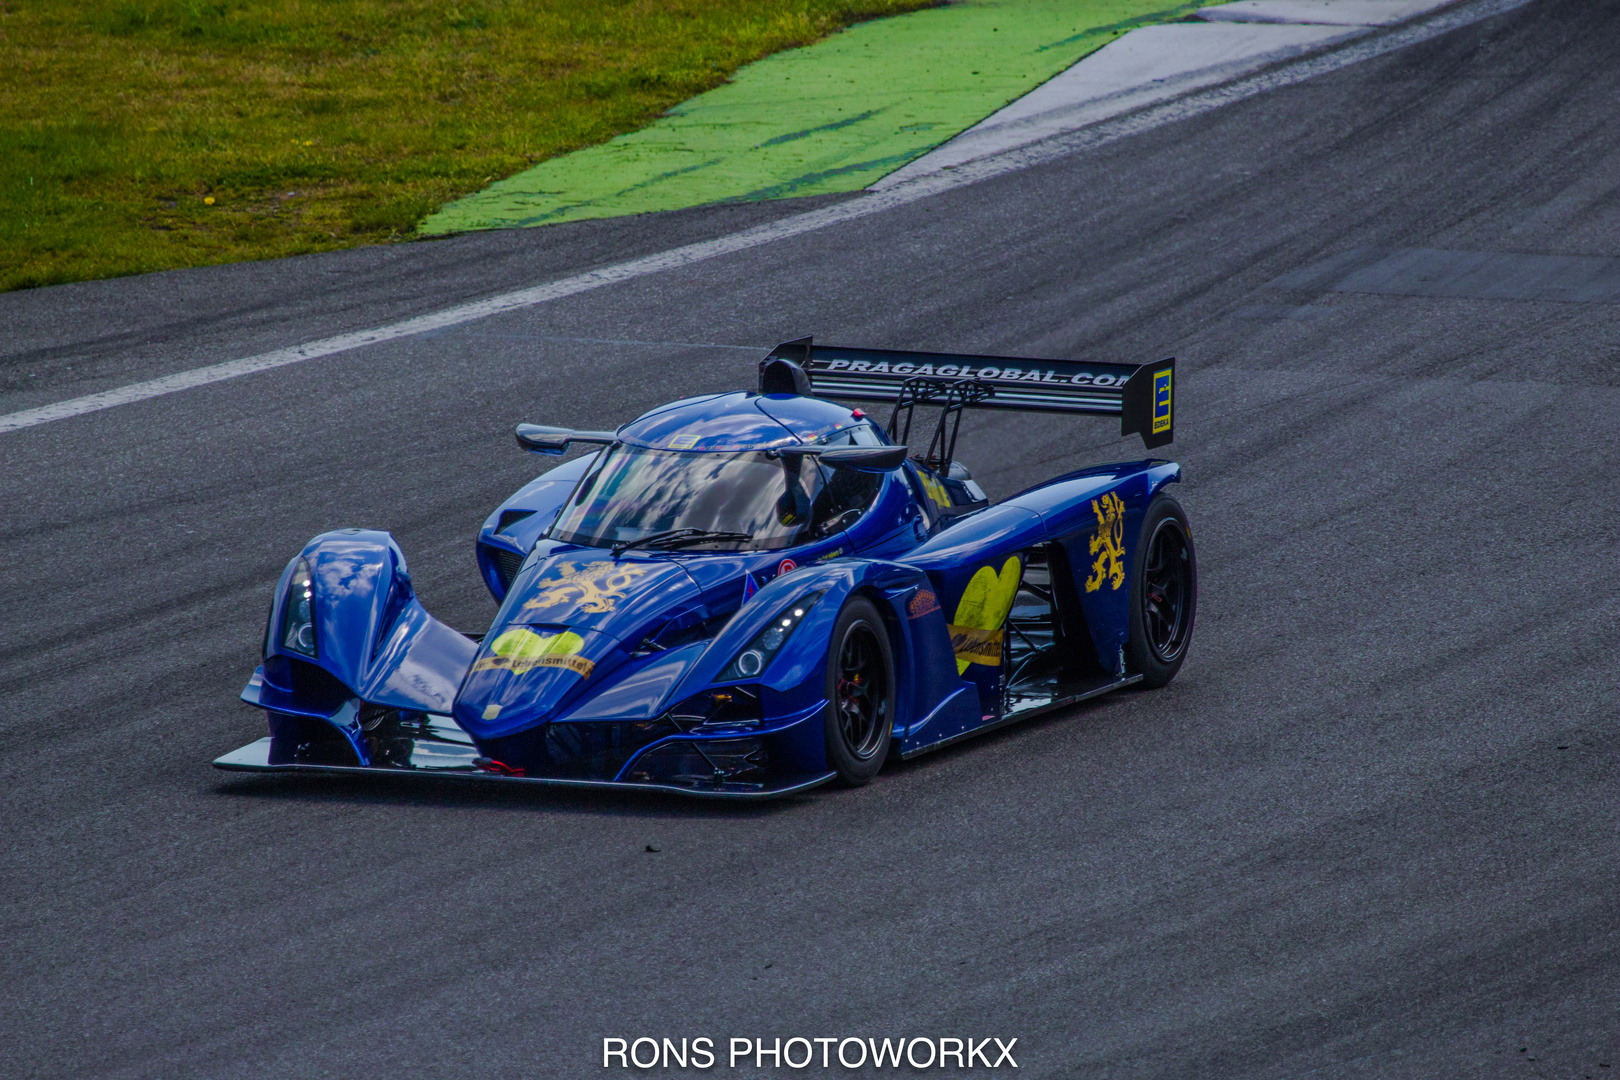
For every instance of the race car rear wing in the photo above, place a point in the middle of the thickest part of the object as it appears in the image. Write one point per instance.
(1141, 396)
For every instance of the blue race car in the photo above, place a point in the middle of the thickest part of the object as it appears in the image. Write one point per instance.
(750, 594)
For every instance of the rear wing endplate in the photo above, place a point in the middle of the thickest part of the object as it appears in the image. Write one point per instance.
(1141, 396)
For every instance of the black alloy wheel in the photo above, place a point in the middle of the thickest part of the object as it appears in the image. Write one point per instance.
(1166, 590)
(1164, 593)
(860, 693)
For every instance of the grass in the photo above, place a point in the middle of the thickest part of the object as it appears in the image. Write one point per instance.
(140, 135)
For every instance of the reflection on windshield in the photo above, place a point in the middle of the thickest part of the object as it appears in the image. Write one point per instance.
(634, 493)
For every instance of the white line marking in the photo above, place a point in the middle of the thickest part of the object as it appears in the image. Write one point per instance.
(759, 350)
(870, 203)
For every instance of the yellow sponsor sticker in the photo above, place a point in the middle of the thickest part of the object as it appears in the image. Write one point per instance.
(522, 649)
(975, 645)
(976, 629)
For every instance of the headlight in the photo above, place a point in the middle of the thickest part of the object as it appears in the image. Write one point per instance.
(757, 655)
(298, 616)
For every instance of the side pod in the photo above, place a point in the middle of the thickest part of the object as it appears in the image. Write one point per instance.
(1033, 592)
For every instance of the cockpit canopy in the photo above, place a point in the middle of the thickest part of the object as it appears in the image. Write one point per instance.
(732, 499)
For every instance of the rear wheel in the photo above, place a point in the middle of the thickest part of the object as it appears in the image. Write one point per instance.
(860, 693)
(1164, 593)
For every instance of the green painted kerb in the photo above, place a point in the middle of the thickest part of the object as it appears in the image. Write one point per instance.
(835, 116)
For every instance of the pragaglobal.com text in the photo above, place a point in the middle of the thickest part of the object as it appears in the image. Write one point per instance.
(799, 1052)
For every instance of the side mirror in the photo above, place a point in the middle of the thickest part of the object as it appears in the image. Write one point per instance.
(539, 439)
(870, 459)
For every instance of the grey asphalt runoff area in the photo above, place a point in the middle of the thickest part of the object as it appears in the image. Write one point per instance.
(1370, 831)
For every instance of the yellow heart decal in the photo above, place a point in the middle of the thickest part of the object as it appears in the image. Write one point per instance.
(521, 649)
(976, 629)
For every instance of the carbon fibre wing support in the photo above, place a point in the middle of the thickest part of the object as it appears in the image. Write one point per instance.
(1141, 396)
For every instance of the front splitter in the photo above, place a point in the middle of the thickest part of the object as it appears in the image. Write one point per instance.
(441, 762)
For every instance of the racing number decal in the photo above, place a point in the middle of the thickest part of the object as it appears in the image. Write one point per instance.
(935, 490)
(976, 630)
(1161, 400)
(1108, 545)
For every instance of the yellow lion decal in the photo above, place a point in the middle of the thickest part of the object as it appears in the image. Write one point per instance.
(1108, 545)
(588, 588)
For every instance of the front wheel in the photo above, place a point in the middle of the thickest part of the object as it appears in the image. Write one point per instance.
(860, 693)
(1164, 593)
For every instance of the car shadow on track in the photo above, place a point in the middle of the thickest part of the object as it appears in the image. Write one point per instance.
(452, 794)
(408, 790)
(1112, 709)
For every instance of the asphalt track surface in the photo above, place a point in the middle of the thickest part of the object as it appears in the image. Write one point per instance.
(1370, 831)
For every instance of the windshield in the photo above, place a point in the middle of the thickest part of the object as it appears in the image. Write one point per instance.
(777, 501)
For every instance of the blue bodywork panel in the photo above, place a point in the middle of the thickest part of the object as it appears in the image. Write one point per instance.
(619, 665)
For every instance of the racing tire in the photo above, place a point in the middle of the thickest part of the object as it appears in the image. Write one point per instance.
(1164, 594)
(861, 693)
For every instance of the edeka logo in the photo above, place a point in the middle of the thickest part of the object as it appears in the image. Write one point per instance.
(802, 1053)
(523, 649)
(1161, 401)
(976, 629)
(1108, 545)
